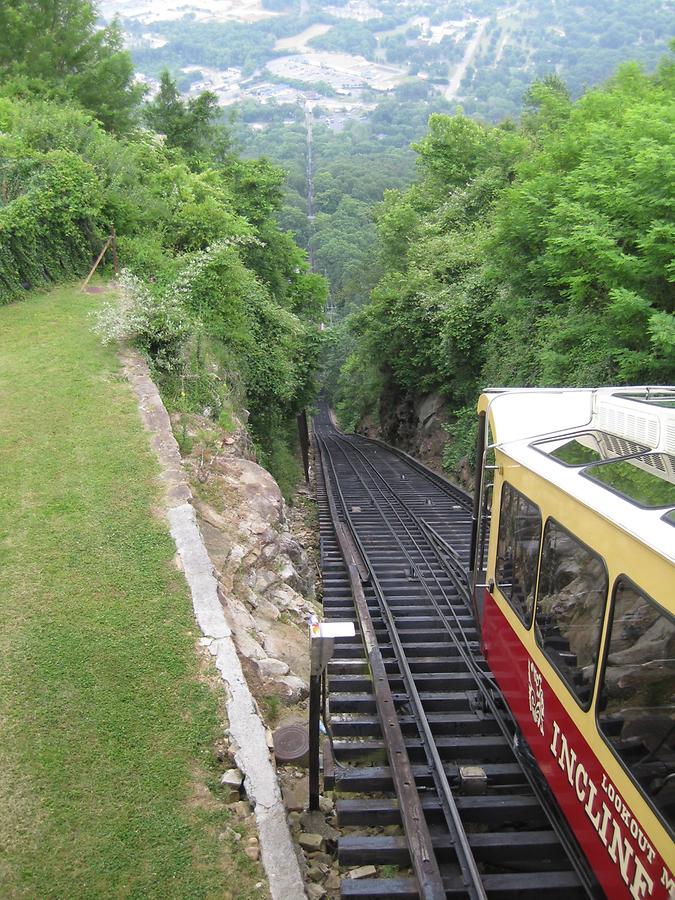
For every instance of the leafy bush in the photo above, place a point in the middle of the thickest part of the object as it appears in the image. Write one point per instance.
(530, 255)
(50, 222)
(359, 390)
(221, 301)
(159, 323)
(279, 452)
(217, 338)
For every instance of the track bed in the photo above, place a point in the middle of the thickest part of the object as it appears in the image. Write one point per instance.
(429, 788)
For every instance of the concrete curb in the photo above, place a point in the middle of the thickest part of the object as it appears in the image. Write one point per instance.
(246, 728)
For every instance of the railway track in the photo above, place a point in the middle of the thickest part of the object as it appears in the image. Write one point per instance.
(434, 789)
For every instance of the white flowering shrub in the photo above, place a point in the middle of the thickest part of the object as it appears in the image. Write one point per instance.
(215, 336)
(159, 322)
(121, 319)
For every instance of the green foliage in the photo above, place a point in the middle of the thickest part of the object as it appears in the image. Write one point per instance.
(462, 435)
(359, 388)
(271, 705)
(353, 169)
(54, 48)
(190, 125)
(537, 255)
(347, 36)
(217, 44)
(273, 347)
(583, 43)
(279, 453)
(50, 220)
(221, 301)
(586, 232)
(159, 323)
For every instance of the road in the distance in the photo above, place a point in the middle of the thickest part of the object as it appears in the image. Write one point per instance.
(469, 53)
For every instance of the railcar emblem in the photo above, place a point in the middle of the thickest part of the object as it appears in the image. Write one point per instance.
(535, 694)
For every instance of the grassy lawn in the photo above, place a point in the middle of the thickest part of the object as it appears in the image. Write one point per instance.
(108, 773)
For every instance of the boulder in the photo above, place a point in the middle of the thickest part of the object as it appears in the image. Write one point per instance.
(271, 668)
(294, 688)
(262, 494)
(248, 646)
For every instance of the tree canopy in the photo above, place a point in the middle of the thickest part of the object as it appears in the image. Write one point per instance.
(55, 48)
(537, 254)
(190, 124)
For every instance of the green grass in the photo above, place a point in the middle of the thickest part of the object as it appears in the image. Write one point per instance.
(106, 723)
(272, 708)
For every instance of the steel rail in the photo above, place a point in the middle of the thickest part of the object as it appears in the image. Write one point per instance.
(455, 493)
(467, 863)
(418, 837)
(509, 730)
(453, 490)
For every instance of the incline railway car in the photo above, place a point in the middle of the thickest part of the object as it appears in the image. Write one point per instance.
(573, 553)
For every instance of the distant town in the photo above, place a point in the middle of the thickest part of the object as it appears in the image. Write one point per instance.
(345, 59)
(345, 84)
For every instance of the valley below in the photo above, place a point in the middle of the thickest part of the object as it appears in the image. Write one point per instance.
(294, 70)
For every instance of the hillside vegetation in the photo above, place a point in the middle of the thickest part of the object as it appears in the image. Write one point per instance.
(351, 170)
(536, 254)
(220, 299)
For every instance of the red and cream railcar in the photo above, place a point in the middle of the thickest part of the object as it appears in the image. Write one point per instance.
(574, 572)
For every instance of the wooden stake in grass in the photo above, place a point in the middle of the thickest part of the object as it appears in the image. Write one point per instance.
(112, 243)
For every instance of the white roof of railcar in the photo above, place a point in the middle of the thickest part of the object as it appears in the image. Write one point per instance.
(520, 418)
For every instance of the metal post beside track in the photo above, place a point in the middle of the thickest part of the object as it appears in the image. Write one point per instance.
(321, 637)
(303, 434)
(314, 717)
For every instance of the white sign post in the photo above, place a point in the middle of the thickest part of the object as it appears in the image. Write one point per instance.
(321, 645)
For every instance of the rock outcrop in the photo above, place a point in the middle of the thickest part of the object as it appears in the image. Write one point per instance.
(415, 424)
(266, 579)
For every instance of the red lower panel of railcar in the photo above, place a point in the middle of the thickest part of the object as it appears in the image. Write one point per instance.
(624, 859)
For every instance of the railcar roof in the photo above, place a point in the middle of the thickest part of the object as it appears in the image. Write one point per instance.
(613, 449)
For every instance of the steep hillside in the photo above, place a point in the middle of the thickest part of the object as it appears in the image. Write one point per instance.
(533, 255)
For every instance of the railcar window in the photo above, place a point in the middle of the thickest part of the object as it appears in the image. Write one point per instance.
(570, 608)
(647, 480)
(664, 398)
(518, 551)
(574, 453)
(636, 707)
(588, 447)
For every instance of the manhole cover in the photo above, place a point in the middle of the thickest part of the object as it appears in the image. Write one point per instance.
(291, 744)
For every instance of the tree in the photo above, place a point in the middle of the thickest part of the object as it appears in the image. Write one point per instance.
(547, 105)
(531, 255)
(190, 125)
(54, 48)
